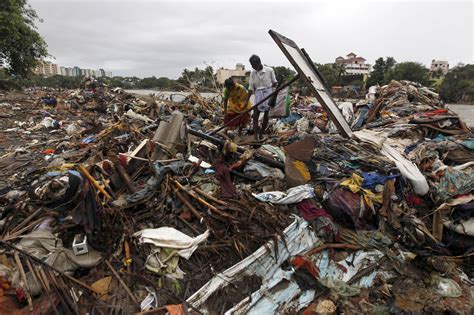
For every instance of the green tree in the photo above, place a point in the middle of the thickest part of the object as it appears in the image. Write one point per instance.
(20, 43)
(352, 79)
(437, 74)
(380, 70)
(435, 83)
(412, 71)
(209, 80)
(389, 63)
(458, 85)
(164, 82)
(329, 72)
(185, 78)
(147, 83)
(115, 81)
(203, 78)
(283, 73)
(340, 70)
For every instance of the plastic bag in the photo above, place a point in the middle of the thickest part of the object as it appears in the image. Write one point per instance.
(446, 287)
(282, 105)
(292, 195)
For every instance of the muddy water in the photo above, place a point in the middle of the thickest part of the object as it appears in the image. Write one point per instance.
(466, 112)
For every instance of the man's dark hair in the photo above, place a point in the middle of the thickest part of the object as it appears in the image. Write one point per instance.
(229, 83)
(255, 60)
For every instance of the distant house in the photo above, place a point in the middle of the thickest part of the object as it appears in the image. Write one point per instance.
(239, 74)
(437, 65)
(354, 64)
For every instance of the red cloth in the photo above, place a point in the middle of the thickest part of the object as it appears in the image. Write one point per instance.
(414, 200)
(242, 121)
(223, 176)
(310, 212)
(305, 263)
(435, 112)
(326, 227)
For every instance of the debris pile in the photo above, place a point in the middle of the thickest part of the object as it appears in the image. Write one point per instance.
(110, 202)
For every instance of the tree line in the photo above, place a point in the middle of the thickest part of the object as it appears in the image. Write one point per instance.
(456, 86)
(202, 79)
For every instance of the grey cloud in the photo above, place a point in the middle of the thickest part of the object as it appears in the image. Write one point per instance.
(160, 38)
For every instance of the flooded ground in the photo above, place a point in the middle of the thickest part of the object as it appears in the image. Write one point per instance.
(466, 112)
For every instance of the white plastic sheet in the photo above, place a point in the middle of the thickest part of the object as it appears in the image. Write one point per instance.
(150, 301)
(47, 122)
(203, 164)
(172, 238)
(132, 115)
(408, 169)
(292, 195)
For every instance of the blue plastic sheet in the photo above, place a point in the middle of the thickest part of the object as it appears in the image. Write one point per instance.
(372, 179)
(291, 119)
(361, 117)
(89, 139)
(468, 144)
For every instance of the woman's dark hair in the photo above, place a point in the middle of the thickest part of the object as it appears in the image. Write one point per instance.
(229, 83)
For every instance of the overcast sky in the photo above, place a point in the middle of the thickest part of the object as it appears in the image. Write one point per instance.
(161, 38)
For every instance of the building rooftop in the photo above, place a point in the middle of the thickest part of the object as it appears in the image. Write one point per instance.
(351, 57)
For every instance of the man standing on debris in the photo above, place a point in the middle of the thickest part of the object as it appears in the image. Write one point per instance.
(261, 82)
(235, 103)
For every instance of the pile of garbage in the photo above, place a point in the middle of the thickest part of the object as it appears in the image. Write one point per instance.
(111, 202)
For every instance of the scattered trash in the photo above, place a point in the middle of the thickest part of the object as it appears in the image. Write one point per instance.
(113, 202)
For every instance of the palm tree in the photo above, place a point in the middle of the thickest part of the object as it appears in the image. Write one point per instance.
(340, 70)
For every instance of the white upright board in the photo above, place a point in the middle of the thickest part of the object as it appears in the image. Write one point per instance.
(309, 74)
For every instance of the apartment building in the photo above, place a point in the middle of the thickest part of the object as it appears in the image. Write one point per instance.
(354, 64)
